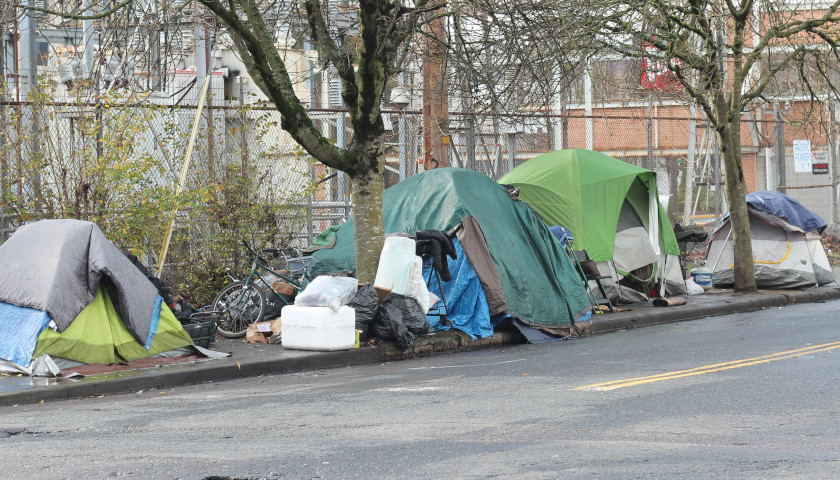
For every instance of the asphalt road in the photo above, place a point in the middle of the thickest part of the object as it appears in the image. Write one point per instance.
(754, 395)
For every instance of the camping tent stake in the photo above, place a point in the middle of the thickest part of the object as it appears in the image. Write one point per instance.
(187, 157)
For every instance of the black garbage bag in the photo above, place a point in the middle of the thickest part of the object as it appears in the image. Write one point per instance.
(274, 303)
(399, 318)
(365, 303)
(412, 313)
(388, 325)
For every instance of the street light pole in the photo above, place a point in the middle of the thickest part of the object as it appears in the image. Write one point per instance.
(401, 100)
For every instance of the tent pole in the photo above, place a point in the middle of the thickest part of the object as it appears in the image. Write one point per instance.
(724, 245)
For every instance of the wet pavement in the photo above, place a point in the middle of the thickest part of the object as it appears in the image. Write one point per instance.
(249, 360)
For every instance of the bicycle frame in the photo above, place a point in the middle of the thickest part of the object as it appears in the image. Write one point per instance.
(260, 265)
(244, 301)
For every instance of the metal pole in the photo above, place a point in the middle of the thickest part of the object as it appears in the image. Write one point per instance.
(511, 151)
(310, 84)
(565, 127)
(649, 165)
(587, 97)
(87, 39)
(242, 134)
(470, 143)
(780, 150)
(403, 140)
(690, 165)
(716, 174)
(29, 75)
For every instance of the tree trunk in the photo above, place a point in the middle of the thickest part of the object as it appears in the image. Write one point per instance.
(736, 192)
(368, 188)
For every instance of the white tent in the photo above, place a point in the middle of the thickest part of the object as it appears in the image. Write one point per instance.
(787, 251)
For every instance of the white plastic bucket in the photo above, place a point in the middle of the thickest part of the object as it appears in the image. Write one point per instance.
(394, 264)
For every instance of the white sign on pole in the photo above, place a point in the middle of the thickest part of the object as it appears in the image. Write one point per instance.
(802, 156)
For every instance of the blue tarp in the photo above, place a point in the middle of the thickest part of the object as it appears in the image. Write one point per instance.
(19, 329)
(788, 208)
(468, 310)
(465, 299)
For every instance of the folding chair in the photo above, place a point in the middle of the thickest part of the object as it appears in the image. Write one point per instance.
(581, 258)
(588, 270)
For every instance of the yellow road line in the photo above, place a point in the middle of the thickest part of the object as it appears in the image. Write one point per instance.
(710, 368)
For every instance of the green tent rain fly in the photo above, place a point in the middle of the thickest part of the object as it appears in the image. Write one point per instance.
(612, 209)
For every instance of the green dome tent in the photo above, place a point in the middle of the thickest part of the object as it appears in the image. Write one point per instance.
(611, 207)
(522, 268)
(69, 293)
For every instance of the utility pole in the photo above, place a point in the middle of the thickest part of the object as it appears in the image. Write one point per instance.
(435, 99)
(835, 175)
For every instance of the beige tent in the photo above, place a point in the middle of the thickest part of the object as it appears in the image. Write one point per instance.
(787, 250)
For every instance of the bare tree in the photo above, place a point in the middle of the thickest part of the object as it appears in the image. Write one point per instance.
(366, 49)
(717, 52)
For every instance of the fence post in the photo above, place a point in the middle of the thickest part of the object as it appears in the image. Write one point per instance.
(780, 149)
(243, 138)
(649, 165)
(511, 144)
(470, 143)
(403, 141)
(565, 123)
(832, 152)
(587, 98)
(690, 165)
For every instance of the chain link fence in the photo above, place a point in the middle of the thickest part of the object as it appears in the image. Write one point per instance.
(118, 162)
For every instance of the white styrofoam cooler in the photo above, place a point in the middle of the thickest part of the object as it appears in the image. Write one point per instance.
(318, 328)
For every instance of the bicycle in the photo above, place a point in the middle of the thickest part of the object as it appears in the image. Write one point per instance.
(243, 302)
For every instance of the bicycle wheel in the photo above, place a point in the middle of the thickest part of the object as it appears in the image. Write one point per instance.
(240, 305)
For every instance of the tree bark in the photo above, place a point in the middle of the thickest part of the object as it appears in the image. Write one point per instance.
(368, 187)
(729, 135)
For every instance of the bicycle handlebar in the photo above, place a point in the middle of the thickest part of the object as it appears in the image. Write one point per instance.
(292, 251)
(248, 247)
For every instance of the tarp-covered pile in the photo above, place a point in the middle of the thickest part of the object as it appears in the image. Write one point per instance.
(522, 269)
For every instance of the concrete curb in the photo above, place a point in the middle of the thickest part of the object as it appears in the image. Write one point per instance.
(251, 363)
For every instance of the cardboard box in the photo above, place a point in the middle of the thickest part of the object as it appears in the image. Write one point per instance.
(382, 293)
(261, 332)
(283, 288)
(253, 336)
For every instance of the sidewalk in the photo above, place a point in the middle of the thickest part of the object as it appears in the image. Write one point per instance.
(248, 360)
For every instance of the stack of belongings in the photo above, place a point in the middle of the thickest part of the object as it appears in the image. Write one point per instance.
(320, 318)
(401, 315)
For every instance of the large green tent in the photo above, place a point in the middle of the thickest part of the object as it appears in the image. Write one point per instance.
(597, 197)
(538, 283)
